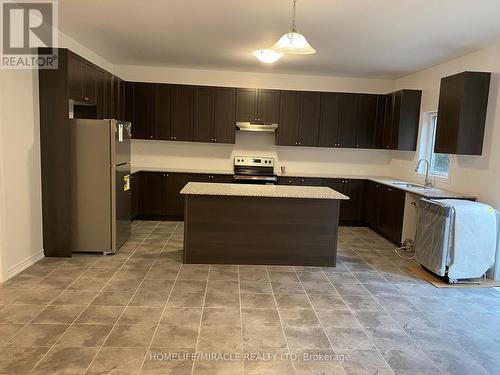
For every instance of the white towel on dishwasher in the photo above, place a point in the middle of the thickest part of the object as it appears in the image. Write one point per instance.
(474, 239)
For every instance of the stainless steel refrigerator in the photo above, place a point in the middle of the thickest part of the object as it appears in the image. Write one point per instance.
(100, 176)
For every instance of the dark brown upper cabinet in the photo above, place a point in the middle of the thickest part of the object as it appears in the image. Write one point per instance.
(224, 115)
(347, 121)
(214, 115)
(299, 119)
(164, 93)
(288, 128)
(401, 120)
(463, 101)
(366, 121)
(106, 95)
(143, 116)
(182, 115)
(309, 119)
(329, 120)
(258, 105)
(82, 80)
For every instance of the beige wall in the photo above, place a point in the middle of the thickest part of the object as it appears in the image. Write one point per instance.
(20, 190)
(478, 175)
(219, 157)
(20, 186)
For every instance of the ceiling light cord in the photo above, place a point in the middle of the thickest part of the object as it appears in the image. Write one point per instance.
(293, 27)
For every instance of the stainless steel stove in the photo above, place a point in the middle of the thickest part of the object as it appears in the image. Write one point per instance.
(254, 170)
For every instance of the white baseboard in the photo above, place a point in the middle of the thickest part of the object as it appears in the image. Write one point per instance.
(25, 263)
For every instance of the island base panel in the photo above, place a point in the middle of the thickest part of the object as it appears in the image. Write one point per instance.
(257, 230)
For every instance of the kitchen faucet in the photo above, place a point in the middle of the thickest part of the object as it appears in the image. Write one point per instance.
(427, 165)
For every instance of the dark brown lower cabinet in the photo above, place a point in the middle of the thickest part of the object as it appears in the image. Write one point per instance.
(158, 193)
(384, 210)
(134, 188)
(150, 194)
(172, 201)
(294, 181)
(351, 211)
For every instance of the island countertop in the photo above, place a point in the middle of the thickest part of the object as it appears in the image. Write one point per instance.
(269, 191)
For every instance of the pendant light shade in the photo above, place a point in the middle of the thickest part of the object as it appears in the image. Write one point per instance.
(293, 43)
(267, 56)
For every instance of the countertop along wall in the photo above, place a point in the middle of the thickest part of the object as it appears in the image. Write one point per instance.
(193, 155)
(21, 241)
(475, 175)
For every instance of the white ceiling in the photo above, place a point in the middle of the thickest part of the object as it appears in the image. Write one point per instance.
(365, 38)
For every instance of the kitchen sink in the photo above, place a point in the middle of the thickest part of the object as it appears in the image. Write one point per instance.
(411, 186)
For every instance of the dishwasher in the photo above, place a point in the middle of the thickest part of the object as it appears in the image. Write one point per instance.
(435, 243)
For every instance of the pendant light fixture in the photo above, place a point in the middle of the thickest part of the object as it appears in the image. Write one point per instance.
(293, 42)
(267, 56)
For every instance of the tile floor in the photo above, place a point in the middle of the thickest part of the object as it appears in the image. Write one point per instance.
(141, 311)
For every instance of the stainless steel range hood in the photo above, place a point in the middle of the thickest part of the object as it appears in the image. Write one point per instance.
(256, 126)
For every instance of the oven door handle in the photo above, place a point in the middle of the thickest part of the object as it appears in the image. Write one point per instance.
(255, 178)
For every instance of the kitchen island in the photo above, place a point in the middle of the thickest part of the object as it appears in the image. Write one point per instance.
(260, 224)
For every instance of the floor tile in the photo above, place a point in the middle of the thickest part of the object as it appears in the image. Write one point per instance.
(141, 315)
(218, 368)
(349, 339)
(306, 338)
(59, 314)
(337, 318)
(293, 301)
(186, 300)
(269, 337)
(299, 317)
(222, 299)
(115, 298)
(221, 317)
(410, 359)
(253, 287)
(20, 360)
(178, 336)
(327, 302)
(37, 297)
(18, 314)
(74, 297)
(181, 316)
(127, 336)
(287, 287)
(34, 335)
(85, 335)
(123, 361)
(261, 301)
(157, 362)
(67, 361)
(260, 317)
(362, 359)
(220, 338)
(386, 337)
(7, 331)
(100, 315)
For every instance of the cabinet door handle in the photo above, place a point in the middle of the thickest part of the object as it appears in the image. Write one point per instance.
(151, 136)
(215, 139)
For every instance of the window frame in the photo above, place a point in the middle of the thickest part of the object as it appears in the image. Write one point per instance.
(427, 148)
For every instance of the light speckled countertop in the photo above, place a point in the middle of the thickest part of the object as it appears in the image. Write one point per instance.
(136, 168)
(389, 181)
(269, 191)
(392, 182)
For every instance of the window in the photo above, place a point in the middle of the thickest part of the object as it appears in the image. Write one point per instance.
(439, 163)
